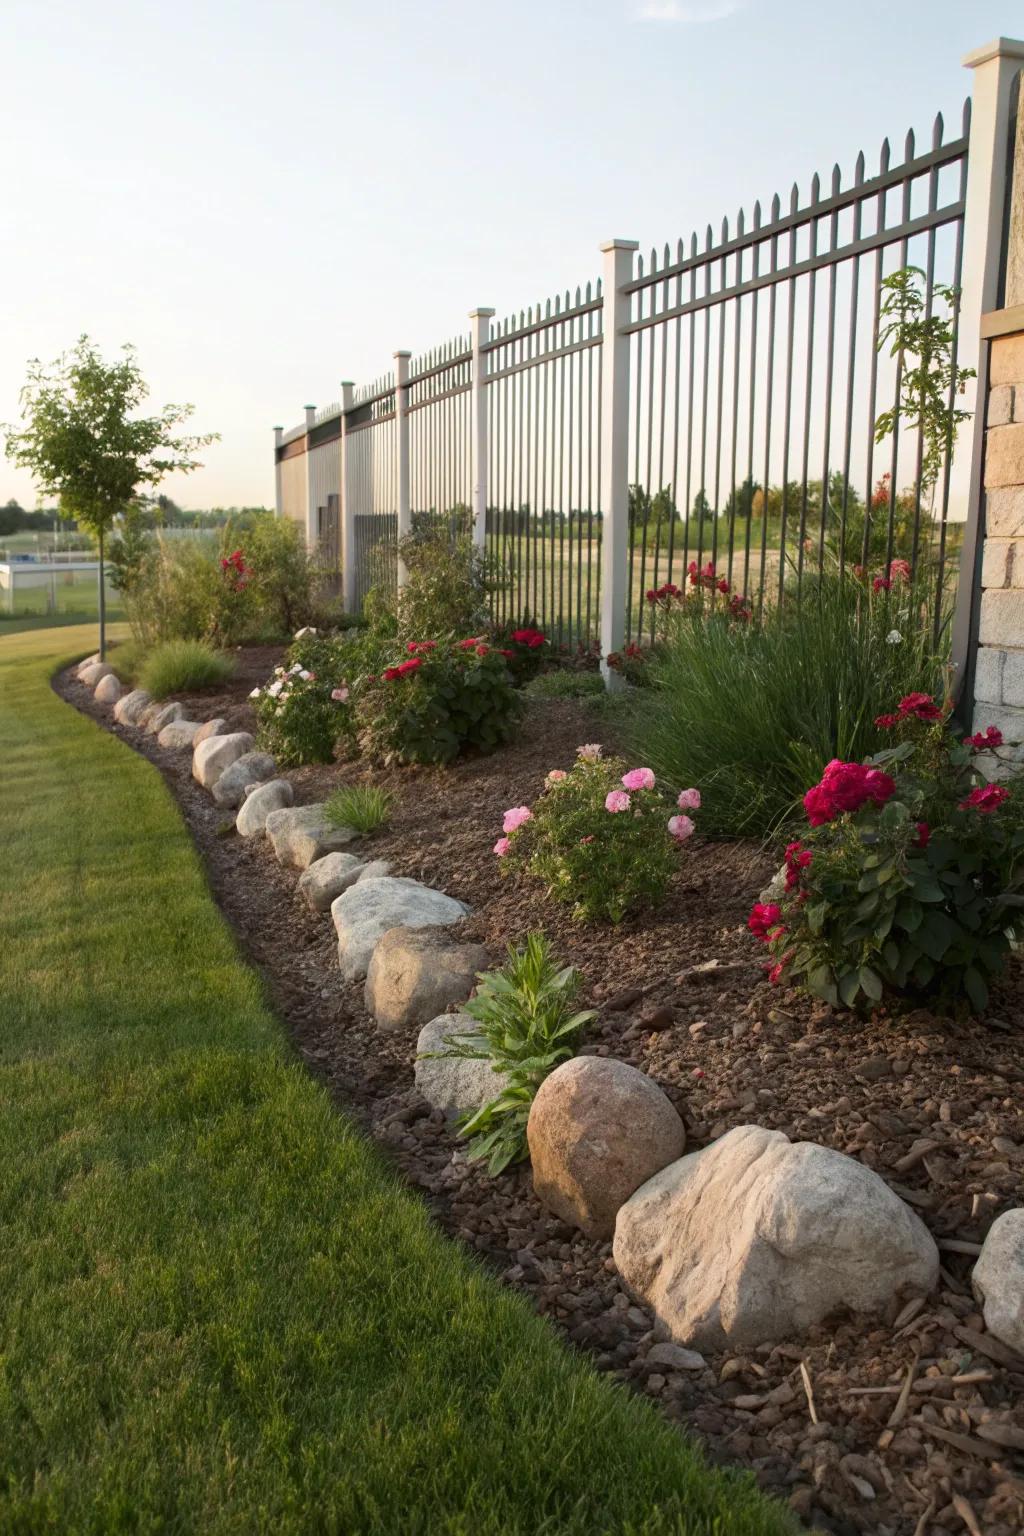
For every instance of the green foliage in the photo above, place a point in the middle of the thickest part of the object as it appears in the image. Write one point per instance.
(184, 666)
(524, 647)
(566, 683)
(303, 714)
(445, 595)
(283, 577)
(525, 1015)
(439, 701)
(363, 807)
(603, 862)
(922, 344)
(915, 893)
(83, 441)
(753, 711)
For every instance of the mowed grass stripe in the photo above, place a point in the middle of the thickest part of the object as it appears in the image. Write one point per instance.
(219, 1311)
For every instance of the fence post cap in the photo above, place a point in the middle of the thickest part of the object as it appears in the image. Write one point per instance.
(403, 354)
(481, 313)
(620, 245)
(998, 48)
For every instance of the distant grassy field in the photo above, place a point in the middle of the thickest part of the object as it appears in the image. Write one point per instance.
(220, 1311)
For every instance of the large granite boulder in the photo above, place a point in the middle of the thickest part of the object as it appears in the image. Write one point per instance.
(998, 1279)
(108, 690)
(215, 755)
(756, 1239)
(417, 973)
(94, 673)
(370, 907)
(303, 834)
(450, 1083)
(326, 878)
(255, 808)
(215, 727)
(130, 707)
(598, 1129)
(251, 768)
(87, 662)
(159, 715)
(178, 735)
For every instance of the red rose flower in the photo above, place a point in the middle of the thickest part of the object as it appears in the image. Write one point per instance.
(982, 740)
(922, 706)
(924, 833)
(886, 722)
(985, 799)
(763, 917)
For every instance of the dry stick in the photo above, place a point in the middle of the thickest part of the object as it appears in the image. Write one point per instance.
(805, 1377)
(900, 1409)
(967, 1514)
(922, 1524)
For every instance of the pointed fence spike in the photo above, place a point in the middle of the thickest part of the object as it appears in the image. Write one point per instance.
(938, 127)
(776, 208)
(837, 178)
(908, 145)
(815, 188)
(883, 159)
(709, 239)
(859, 169)
(757, 214)
(725, 230)
(740, 223)
(693, 243)
(794, 198)
(967, 116)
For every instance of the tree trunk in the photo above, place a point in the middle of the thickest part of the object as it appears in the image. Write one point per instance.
(103, 605)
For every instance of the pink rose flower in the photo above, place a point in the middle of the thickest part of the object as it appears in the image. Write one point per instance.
(638, 778)
(616, 800)
(589, 752)
(689, 800)
(515, 818)
(340, 695)
(556, 776)
(681, 827)
(502, 847)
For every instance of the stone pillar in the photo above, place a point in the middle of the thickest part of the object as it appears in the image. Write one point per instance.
(999, 669)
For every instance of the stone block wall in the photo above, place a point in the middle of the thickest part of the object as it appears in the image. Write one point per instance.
(999, 675)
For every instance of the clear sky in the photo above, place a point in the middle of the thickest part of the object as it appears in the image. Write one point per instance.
(268, 198)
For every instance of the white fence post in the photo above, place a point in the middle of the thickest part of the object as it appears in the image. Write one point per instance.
(404, 504)
(348, 505)
(278, 489)
(481, 335)
(618, 271)
(996, 67)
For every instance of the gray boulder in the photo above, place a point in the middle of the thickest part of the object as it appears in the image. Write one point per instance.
(368, 909)
(217, 753)
(162, 714)
(998, 1279)
(303, 834)
(326, 878)
(255, 808)
(86, 662)
(598, 1129)
(94, 673)
(450, 1083)
(178, 735)
(216, 727)
(130, 707)
(375, 869)
(251, 768)
(417, 973)
(756, 1239)
(108, 690)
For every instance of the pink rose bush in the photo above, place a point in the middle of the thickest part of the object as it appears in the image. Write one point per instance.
(598, 837)
(303, 715)
(909, 883)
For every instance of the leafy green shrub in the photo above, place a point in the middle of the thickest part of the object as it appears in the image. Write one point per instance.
(524, 1012)
(566, 683)
(524, 647)
(437, 702)
(283, 576)
(753, 710)
(184, 666)
(363, 807)
(598, 837)
(303, 714)
(445, 594)
(909, 882)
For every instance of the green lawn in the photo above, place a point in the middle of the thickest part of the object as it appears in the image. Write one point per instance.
(219, 1311)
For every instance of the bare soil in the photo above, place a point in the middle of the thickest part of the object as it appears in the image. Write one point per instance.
(935, 1106)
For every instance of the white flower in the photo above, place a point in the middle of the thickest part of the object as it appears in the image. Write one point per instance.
(893, 637)
(306, 676)
(255, 693)
(274, 689)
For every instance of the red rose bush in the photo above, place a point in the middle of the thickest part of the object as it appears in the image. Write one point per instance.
(908, 883)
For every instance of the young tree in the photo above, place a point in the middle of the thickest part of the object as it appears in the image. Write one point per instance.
(83, 441)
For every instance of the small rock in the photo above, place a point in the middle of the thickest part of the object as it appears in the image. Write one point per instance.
(661, 1018)
(255, 808)
(675, 1357)
(326, 878)
(215, 727)
(130, 707)
(303, 834)
(623, 1000)
(375, 869)
(108, 690)
(94, 673)
(368, 909)
(454, 1084)
(415, 974)
(162, 714)
(998, 1279)
(178, 735)
(250, 768)
(215, 755)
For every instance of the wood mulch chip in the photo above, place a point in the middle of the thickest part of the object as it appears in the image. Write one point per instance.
(910, 1423)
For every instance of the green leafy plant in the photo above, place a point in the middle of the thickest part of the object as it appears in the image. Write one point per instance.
(445, 593)
(598, 837)
(438, 701)
(303, 714)
(524, 647)
(83, 440)
(566, 683)
(184, 666)
(527, 1026)
(283, 575)
(752, 710)
(910, 882)
(363, 807)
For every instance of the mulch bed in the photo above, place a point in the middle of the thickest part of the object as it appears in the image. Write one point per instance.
(936, 1107)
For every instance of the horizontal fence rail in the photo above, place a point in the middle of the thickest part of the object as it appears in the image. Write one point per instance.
(736, 449)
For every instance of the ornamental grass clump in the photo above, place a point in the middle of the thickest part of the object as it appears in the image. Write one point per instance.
(909, 883)
(599, 837)
(365, 808)
(526, 1027)
(437, 701)
(184, 666)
